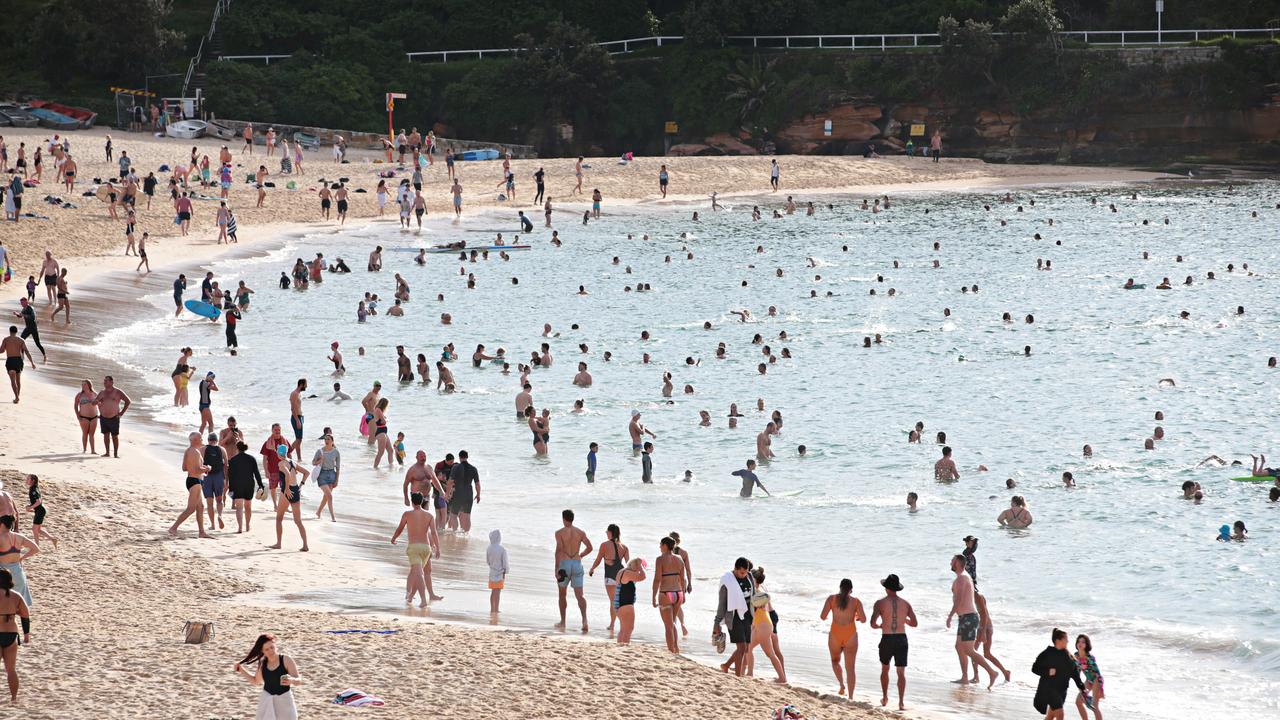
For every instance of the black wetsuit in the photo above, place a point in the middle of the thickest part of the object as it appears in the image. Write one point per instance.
(31, 331)
(1051, 693)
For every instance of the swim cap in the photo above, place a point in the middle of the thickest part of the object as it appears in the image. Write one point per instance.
(377, 383)
(333, 344)
(634, 412)
(282, 450)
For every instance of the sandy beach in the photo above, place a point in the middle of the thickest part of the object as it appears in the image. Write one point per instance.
(87, 231)
(112, 600)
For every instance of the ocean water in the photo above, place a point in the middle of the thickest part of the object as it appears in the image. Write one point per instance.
(1179, 622)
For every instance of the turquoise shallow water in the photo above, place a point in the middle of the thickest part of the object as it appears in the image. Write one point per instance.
(1179, 622)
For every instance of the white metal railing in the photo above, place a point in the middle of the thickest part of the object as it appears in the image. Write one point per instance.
(218, 9)
(265, 58)
(890, 41)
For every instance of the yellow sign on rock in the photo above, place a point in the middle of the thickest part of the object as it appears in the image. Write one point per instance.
(917, 129)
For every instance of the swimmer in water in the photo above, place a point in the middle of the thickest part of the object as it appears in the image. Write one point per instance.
(1016, 516)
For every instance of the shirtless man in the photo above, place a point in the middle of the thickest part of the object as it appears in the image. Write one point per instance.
(1017, 516)
(109, 413)
(571, 544)
(15, 348)
(945, 469)
(368, 401)
(763, 442)
(583, 378)
(295, 417)
(49, 268)
(893, 616)
(524, 399)
(636, 430)
(193, 465)
(423, 544)
(420, 479)
(963, 606)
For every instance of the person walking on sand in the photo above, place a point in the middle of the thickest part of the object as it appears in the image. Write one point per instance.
(35, 506)
(14, 350)
(614, 555)
(571, 544)
(424, 543)
(669, 591)
(243, 481)
(736, 589)
(457, 198)
(577, 173)
(935, 145)
(966, 611)
(893, 615)
(688, 578)
(85, 406)
(763, 629)
(14, 609)
(193, 465)
(13, 558)
(842, 640)
(775, 175)
(214, 483)
(278, 675)
(329, 460)
(985, 634)
(663, 178)
(248, 139)
(291, 496)
(1056, 669)
(49, 268)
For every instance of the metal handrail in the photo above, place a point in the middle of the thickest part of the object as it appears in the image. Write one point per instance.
(198, 58)
(882, 41)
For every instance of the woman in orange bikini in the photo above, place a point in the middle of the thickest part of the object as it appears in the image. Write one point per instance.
(668, 590)
(845, 611)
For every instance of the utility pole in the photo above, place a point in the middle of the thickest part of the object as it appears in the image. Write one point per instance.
(1159, 21)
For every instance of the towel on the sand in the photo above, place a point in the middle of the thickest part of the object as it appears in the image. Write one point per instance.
(357, 698)
(362, 632)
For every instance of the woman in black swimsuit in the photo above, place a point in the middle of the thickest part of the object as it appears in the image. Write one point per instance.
(380, 438)
(624, 603)
(36, 508)
(539, 430)
(614, 555)
(277, 673)
(12, 609)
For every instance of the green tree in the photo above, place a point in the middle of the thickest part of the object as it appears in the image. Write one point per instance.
(751, 83)
(1033, 24)
(968, 51)
(570, 72)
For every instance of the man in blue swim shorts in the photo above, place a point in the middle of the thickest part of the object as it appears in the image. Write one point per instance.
(571, 545)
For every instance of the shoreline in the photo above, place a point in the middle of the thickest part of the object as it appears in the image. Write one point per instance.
(250, 570)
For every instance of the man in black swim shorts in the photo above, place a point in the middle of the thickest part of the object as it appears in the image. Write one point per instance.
(893, 615)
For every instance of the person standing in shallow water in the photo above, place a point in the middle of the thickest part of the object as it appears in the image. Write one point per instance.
(1056, 670)
(963, 606)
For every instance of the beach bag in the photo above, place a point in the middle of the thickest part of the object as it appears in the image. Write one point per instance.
(261, 493)
(787, 712)
(197, 633)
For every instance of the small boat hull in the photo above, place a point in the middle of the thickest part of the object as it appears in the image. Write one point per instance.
(54, 120)
(220, 131)
(84, 116)
(18, 117)
(186, 129)
(486, 154)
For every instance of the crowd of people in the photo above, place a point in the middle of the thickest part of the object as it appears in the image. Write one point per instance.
(221, 470)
